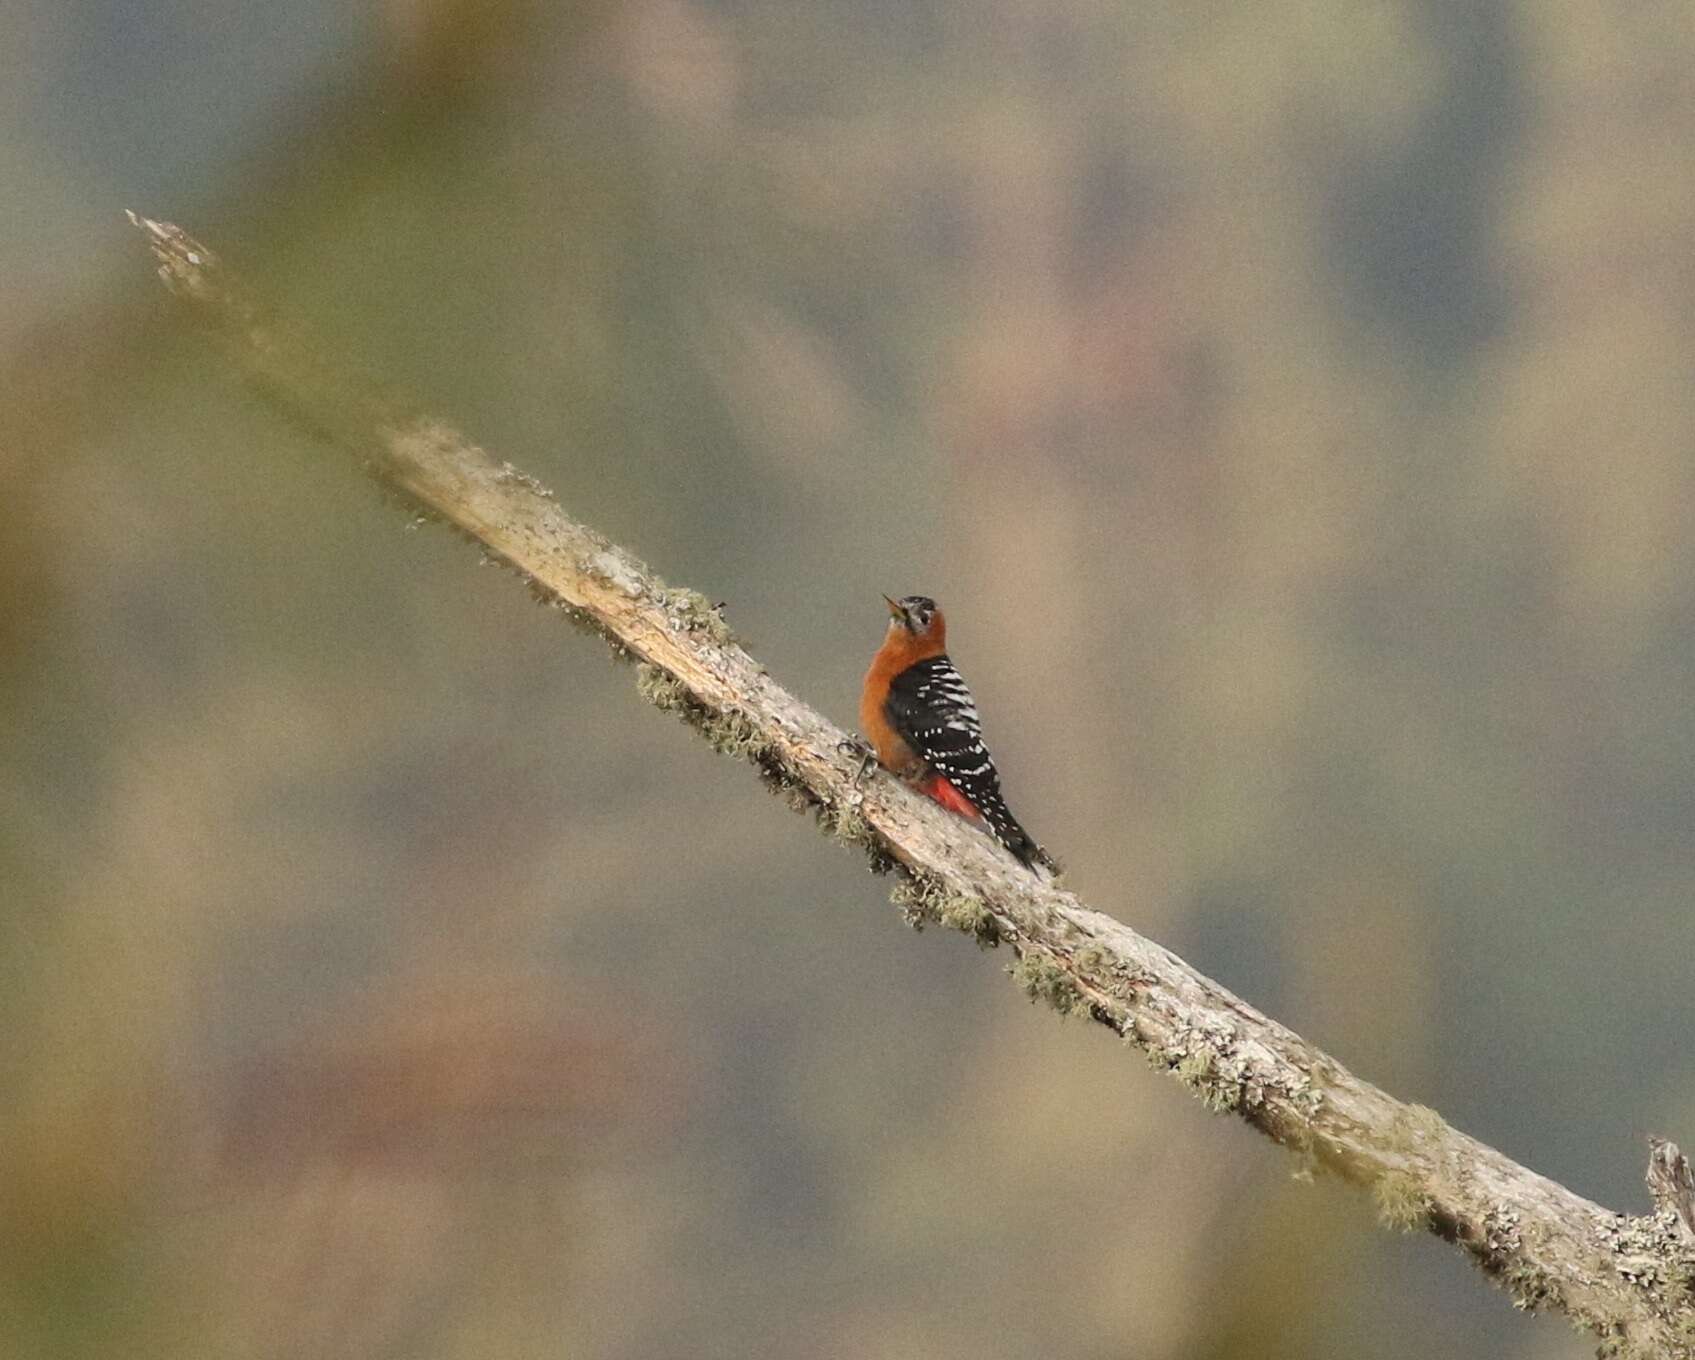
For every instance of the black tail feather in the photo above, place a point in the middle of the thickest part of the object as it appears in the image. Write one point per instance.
(1005, 829)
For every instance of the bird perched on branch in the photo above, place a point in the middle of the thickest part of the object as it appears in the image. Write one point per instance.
(922, 722)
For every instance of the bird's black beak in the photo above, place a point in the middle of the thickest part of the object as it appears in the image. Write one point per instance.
(896, 612)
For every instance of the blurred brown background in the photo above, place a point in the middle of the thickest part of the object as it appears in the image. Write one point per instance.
(1292, 408)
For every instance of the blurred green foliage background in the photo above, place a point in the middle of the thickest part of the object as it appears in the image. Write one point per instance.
(1292, 408)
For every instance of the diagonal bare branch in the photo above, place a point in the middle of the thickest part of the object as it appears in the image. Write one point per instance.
(1627, 1280)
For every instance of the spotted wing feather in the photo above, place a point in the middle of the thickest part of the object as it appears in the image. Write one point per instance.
(931, 707)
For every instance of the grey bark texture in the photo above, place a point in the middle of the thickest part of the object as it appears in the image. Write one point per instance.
(1630, 1281)
(1672, 1186)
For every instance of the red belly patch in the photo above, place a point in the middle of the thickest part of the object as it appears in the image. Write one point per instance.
(949, 797)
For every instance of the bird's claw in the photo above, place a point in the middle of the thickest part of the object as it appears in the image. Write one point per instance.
(855, 746)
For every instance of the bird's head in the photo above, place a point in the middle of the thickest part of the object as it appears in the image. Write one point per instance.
(916, 615)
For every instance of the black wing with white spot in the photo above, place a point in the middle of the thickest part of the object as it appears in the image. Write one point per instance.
(931, 708)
